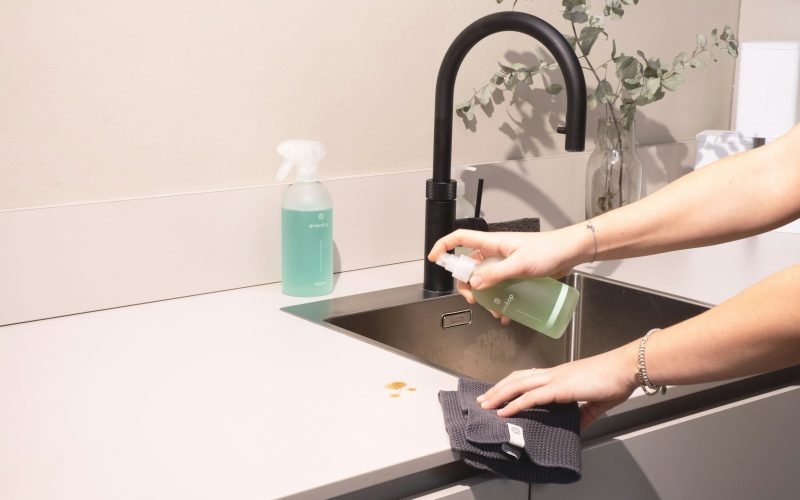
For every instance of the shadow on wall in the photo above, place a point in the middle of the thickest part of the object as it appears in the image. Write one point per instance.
(534, 128)
(660, 167)
(514, 184)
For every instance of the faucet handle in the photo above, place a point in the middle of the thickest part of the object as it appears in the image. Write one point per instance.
(478, 198)
(561, 130)
(475, 223)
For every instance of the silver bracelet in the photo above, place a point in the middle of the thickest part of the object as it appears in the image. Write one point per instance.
(590, 227)
(641, 374)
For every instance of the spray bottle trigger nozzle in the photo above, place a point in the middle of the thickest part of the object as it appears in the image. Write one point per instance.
(286, 167)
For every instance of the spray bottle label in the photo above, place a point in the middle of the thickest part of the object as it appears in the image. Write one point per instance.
(307, 251)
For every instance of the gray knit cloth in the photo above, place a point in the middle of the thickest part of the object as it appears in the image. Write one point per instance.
(552, 451)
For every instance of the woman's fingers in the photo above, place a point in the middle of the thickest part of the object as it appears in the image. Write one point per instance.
(494, 273)
(466, 291)
(479, 240)
(511, 387)
(511, 376)
(540, 396)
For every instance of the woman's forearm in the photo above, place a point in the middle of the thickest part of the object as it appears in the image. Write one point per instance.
(732, 198)
(756, 331)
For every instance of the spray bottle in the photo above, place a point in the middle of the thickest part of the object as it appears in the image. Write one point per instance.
(544, 304)
(306, 223)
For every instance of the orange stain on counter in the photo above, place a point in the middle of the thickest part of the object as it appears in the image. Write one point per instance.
(396, 386)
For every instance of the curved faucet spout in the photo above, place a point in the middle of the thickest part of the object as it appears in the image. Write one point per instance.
(440, 190)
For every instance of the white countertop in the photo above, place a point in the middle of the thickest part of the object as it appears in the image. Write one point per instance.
(224, 396)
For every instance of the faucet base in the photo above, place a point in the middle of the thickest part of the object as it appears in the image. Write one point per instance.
(440, 219)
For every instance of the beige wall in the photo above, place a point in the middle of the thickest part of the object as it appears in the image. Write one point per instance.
(769, 20)
(106, 99)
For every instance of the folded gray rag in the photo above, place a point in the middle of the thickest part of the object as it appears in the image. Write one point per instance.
(540, 445)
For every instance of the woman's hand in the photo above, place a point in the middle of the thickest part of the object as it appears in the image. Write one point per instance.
(551, 253)
(603, 381)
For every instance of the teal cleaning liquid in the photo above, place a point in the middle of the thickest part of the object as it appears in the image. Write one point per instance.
(306, 222)
(307, 252)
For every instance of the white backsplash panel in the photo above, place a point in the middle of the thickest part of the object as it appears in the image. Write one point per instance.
(76, 258)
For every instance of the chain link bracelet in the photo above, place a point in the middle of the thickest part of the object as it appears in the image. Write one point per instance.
(641, 373)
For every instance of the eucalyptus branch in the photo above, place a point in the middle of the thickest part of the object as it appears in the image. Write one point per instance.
(640, 81)
(585, 57)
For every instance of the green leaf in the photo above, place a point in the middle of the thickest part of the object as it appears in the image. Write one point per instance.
(511, 80)
(714, 35)
(506, 68)
(578, 16)
(680, 60)
(651, 86)
(654, 69)
(591, 101)
(701, 41)
(613, 9)
(485, 94)
(628, 67)
(613, 49)
(673, 81)
(470, 114)
(605, 92)
(497, 78)
(554, 88)
(628, 115)
(696, 62)
(631, 85)
(466, 110)
(575, 11)
(588, 37)
(597, 21)
(732, 48)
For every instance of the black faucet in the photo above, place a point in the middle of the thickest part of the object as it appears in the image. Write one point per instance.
(440, 191)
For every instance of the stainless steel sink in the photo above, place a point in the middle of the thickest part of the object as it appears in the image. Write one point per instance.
(447, 333)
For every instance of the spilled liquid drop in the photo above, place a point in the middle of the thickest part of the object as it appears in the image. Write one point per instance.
(394, 395)
(395, 385)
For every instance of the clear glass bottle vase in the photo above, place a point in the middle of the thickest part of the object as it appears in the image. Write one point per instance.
(614, 172)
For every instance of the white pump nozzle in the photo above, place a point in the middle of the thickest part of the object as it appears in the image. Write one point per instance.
(460, 266)
(303, 154)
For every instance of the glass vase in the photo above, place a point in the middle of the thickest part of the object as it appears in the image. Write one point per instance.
(614, 172)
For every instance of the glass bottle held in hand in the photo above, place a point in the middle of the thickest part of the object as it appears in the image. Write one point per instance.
(544, 304)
